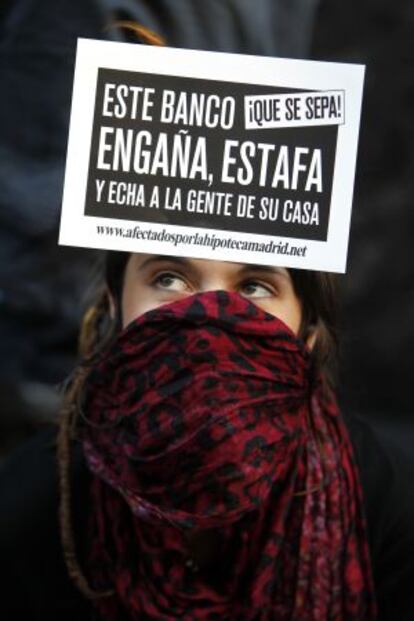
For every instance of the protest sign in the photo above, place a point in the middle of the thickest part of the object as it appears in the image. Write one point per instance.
(211, 155)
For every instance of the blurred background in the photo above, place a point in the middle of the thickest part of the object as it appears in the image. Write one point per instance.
(44, 288)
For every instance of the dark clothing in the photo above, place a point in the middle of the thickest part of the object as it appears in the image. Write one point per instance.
(33, 576)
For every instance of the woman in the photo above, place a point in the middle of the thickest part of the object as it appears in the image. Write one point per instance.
(213, 475)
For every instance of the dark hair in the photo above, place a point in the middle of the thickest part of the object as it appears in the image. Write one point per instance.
(317, 293)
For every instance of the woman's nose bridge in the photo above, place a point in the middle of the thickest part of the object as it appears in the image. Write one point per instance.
(214, 281)
(216, 275)
(214, 284)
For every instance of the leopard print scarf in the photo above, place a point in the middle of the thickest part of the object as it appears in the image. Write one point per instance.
(205, 420)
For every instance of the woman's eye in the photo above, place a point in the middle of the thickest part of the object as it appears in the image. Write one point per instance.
(253, 289)
(170, 282)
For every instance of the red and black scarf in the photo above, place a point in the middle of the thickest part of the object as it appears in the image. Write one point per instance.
(205, 419)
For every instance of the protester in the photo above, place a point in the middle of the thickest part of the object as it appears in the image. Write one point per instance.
(213, 476)
(202, 469)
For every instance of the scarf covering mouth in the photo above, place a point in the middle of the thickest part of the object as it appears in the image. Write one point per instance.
(205, 421)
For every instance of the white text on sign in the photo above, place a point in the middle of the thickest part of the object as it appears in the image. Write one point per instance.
(294, 109)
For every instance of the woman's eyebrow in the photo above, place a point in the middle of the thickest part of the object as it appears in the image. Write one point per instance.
(269, 269)
(158, 258)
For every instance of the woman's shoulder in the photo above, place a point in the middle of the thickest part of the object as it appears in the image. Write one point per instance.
(32, 569)
(385, 456)
(29, 487)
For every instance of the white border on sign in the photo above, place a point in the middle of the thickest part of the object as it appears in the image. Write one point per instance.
(77, 229)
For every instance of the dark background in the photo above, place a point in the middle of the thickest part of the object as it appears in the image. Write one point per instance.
(44, 288)
(378, 290)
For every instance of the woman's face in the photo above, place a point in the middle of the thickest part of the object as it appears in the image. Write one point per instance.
(153, 280)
